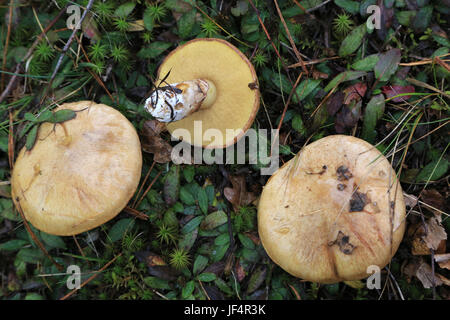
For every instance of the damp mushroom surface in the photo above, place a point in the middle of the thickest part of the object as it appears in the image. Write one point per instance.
(80, 173)
(332, 211)
(207, 93)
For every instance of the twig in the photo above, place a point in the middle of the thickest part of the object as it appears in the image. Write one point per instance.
(8, 34)
(11, 141)
(90, 278)
(142, 185)
(148, 189)
(66, 47)
(28, 55)
(433, 280)
(135, 213)
(294, 87)
(35, 239)
(294, 47)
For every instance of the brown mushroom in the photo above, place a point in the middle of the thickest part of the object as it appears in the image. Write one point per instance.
(332, 211)
(80, 173)
(207, 82)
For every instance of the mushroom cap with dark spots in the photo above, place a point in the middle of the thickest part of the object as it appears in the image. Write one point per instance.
(330, 225)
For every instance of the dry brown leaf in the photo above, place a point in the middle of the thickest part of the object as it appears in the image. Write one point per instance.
(238, 194)
(422, 241)
(433, 198)
(410, 200)
(425, 274)
(422, 271)
(435, 235)
(355, 92)
(443, 260)
(240, 272)
(153, 143)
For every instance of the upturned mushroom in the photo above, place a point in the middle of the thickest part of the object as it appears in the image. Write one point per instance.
(333, 211)
(206, 84)
(80, 173)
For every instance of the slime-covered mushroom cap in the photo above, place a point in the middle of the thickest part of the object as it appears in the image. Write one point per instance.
(80, 173)
(332, 211)
(236, 98)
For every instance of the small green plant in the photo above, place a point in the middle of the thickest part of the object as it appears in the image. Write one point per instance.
(259, 59)
(147, 37)
(132, 242)
(209, 28)
(98, 51)
(44, 52)
(121, 24)
(179, 259)
(119, 53)
(166, 234)
(156, 11)
(104, 10)
(342, 25)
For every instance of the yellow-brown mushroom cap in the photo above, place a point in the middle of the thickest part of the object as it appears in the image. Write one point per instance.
(237, 95)
(80, 173)
(332, 211)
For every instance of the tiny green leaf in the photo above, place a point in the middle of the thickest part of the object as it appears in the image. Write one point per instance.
(200, 263)
(31, 137)
(366, 64)
(387, 64)
(352, 42)
(214, 220)
(433, 171)
(192, 224)
(124, 10)
(207, 277)
(374, 111)
(119, 229)
(62, 115)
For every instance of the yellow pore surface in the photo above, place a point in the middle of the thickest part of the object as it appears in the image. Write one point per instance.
(236, 103)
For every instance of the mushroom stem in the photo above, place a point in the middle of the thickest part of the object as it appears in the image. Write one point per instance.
(178, 100)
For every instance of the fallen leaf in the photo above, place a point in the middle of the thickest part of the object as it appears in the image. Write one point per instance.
(355, 92)
(425, 274)
(348, 117)
(433, 198)
(256, 279)
(423, 241)
(157, 267)
(335, 102)
(435, 235)
(387, 64)
(238, 195)
(423, 271)
(217, 268)
(153, 143)
(240, 272)
(443, 260)
(410, 200)
(394, 90)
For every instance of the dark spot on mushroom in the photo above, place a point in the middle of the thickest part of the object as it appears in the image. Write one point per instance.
(253, 85)
(286, 206)
(324, 169)
(392, 204)
(343, 241)
(358, 201)
(343, 173)
(341, 186)
(381, 173)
